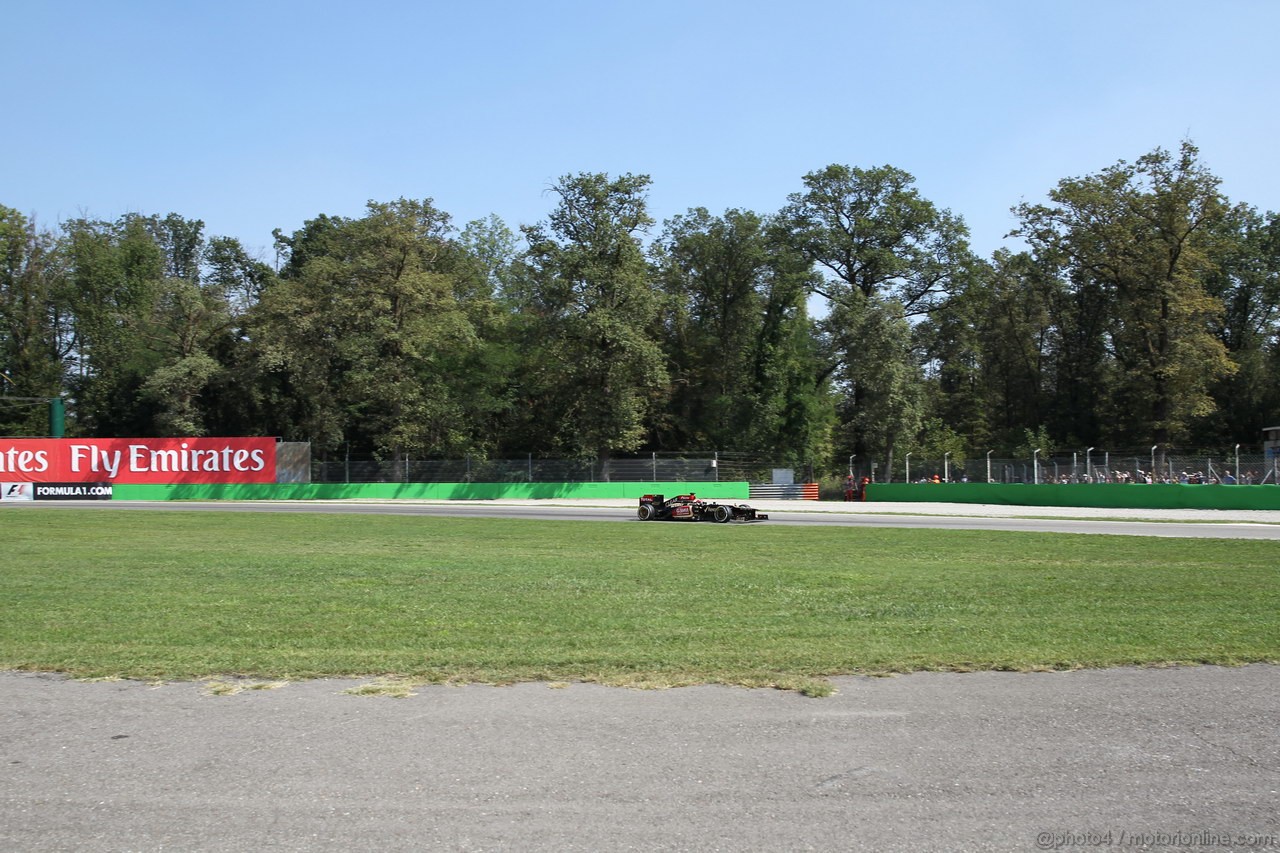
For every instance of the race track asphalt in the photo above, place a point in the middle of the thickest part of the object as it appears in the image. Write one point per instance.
(1180, 523)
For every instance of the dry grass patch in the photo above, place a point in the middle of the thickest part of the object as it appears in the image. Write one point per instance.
(392, 688)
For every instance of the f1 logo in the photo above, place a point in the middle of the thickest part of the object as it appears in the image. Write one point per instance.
(16, 492)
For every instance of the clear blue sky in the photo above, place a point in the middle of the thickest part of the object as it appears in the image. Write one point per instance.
(260, 115)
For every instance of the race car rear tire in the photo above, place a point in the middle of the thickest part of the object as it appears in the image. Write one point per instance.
(645, 512)
(721, 514)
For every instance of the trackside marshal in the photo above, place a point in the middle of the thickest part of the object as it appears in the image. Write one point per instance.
(162, 461)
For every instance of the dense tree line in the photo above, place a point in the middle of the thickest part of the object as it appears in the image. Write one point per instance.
(1144, 310)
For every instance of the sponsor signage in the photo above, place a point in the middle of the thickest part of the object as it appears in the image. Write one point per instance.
(164, 461)
(55, 491)
(71, 491)
(16, 491)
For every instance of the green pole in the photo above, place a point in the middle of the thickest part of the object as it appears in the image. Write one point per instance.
(57, 418)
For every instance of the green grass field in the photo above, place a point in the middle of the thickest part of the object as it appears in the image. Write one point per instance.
(183, 595)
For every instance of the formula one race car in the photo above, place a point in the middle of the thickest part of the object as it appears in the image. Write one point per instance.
(689, 508)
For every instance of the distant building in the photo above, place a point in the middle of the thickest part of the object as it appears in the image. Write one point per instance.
(1271, 443)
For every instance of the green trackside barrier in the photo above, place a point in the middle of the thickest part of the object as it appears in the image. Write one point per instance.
(423, 491)
(1106, 495)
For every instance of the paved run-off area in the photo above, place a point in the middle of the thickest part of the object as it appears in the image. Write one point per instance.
(929, 761)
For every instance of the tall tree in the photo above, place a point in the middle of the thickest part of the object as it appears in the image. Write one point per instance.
(154, 324)
(1015, 315)
(883, 405)
(493, 247)
(239, 277)
(878, 241)
(711, 270)
(1247, 281)
(876, 236)
(741, 348)
(364, 340)
(590, 308)
(115, 269)
(34, 324)
(187, 330)
(794, 415)
(951, 342)
(1140, 241)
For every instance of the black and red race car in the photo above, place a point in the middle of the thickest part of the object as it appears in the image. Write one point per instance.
(689, 508)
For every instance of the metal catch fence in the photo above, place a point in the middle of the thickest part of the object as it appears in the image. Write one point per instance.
(655, 467)
(1085, 466)
(1093, 466)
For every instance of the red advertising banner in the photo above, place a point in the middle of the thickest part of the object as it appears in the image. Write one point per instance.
(138, 460)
